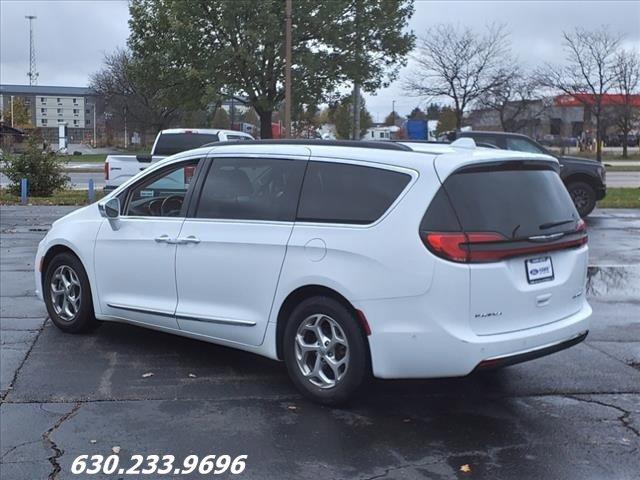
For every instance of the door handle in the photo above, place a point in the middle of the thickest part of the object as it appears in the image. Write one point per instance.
(163, 239)
(189, 239)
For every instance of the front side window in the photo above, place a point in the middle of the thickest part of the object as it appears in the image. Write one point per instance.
(251, 189)
(163, 193)
(344, 193)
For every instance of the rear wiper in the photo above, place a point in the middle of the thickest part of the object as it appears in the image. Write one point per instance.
(546, 226)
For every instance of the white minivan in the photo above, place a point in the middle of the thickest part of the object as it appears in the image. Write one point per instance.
(343, 259)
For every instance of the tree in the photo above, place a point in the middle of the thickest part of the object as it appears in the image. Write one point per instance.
(221, 119)
(235, 48)
(589, 72)
(627, 77)
(43, 169)
(342, 113)
(516, 101)
(459, 64)
(447, 121)
(21, 117)
(392, 118)
(417, 114)
(133, 91)
(371, 44)
(433, 111)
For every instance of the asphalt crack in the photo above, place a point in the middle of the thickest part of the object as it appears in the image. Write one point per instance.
(24, 360)
(49, 443)
(624, 418)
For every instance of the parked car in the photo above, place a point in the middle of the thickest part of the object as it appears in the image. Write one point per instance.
(120, 168)
(585, 179)
(340, 258)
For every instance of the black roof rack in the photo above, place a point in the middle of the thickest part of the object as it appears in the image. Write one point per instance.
(380, 145)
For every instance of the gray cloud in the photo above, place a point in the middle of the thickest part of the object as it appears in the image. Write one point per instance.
(71, 36)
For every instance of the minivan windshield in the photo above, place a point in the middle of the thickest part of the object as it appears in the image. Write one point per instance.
(172, 143)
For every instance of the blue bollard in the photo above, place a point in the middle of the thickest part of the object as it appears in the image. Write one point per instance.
(92, 193)
(23, 191)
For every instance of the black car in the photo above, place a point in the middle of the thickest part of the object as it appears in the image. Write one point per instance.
(585, 179)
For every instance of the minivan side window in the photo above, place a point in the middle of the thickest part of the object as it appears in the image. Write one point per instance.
(163, 193)
(251, 189)
(522, 145)
(346, 193)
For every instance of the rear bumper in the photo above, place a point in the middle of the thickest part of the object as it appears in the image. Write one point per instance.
(432, 349)
(531, 354)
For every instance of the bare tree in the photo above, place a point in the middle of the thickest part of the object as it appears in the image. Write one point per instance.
(516, 101)
(129, 94)
(460, 64)
(588, 74)
(627, 76)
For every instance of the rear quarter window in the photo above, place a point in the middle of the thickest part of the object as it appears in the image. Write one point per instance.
(345, 193)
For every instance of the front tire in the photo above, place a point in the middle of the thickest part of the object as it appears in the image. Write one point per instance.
(583, 196)
(67, 295)
(325, 351)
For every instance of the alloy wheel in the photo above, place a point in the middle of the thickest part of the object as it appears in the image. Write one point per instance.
(322, 351)
(65, 292)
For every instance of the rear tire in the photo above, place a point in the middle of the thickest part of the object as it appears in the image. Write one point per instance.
(67, 295)
(325, 351)
(583, 196)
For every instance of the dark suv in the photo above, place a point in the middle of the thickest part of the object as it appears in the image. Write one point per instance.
(585, 179)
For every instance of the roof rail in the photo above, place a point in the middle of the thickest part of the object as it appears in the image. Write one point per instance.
(380, 145)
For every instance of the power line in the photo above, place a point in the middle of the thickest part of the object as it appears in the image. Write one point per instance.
(33, 73)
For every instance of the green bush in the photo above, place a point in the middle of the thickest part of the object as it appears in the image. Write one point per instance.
(43, 169)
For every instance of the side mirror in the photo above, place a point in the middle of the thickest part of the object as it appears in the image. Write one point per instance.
(110, 208)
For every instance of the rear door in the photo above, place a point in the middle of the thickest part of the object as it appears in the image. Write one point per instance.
(233, 245)
(524, 243)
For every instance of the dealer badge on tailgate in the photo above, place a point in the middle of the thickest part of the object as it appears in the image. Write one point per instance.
(539, 269)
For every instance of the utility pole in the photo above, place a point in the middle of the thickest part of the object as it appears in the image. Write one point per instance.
(33, 73)
(12, 119)
(356, 83)
(287, 72)
(94, 125)
(393, 111)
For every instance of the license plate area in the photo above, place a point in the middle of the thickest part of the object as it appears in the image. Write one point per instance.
(539, 269)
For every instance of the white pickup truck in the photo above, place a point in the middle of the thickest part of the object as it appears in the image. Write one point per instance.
(120, 168)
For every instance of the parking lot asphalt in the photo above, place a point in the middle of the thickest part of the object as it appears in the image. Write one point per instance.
(574, 414)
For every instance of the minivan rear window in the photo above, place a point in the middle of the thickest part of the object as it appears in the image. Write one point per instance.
(345, 193)
(511, 200)
(172, 143)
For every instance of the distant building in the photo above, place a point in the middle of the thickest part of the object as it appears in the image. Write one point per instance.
(379, 131)
(50, 106)
(563, 116)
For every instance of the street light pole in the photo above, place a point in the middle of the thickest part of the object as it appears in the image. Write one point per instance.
(12, 120)
(94, 125)
(287, 72)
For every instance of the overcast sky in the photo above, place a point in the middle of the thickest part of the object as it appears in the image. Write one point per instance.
(72, 35)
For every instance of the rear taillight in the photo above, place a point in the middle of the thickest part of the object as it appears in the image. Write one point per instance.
(479, 247)
(106, 170)
(455, 246)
